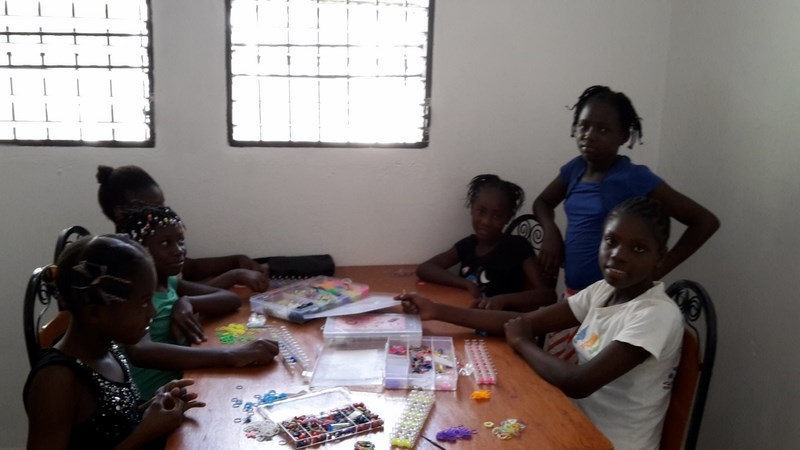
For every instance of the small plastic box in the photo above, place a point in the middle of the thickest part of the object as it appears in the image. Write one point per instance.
(353, 363)
(429, 364)
(293, 301)
(322, 416)
(372, 326)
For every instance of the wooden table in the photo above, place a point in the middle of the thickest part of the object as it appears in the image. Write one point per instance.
(552, 420)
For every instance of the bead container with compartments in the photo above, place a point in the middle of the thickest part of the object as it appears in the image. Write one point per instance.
(428, 363)
(294, 301)
(311, 420)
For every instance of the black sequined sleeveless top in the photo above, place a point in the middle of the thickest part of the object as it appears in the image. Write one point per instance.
(117, 412)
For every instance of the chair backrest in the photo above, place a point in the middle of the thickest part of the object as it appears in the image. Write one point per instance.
(527, 226)
(68, 236)
(42, 326)
(691, 382)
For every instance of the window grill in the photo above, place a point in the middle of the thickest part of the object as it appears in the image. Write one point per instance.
(329, 72)
(76, 73)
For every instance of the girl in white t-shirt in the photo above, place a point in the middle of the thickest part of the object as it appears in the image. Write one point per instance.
(630, 333)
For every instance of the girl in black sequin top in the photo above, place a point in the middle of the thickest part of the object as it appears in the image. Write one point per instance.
(79, 394)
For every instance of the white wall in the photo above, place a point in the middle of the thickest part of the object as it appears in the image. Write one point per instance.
(503, 74)
(729, 136)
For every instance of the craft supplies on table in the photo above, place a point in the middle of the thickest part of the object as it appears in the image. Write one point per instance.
(429, 364)
(310, 419)
(415, 413)
(294, 301)
(480, 362)
(291, 353)
(352, 363)
(373, 325)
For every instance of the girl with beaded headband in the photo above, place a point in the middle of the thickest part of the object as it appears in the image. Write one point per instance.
(498, 270)
(164, 353)
(79, 393)
(595, 181)
(129, 186)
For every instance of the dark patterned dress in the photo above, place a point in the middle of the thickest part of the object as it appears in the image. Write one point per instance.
(117, 413)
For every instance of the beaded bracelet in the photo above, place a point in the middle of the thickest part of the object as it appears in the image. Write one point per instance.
(418, 406)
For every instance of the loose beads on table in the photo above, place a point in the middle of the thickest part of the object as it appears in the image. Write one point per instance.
(290, 351)
(234, 333)
(508, 429)
(418, 406)
(480, 361)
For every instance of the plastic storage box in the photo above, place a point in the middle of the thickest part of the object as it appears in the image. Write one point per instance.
(373, 326)
(429, 364)
(292, 302)
(321, 417)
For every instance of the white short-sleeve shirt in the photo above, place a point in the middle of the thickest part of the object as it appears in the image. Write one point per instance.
(630, 410)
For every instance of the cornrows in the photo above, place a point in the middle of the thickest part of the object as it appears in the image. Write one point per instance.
(515, 194)
(628, 118)
(648, 209)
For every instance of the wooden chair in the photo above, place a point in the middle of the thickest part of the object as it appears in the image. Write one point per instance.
(690, 386)
(68, 236)
(42, 326)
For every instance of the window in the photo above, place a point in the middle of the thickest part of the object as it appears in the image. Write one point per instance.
(329, 72)
(75, 73)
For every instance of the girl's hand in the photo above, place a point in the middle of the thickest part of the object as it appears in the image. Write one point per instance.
(256, 280)
(245, 262)
(183, 323)
(414, 303)
(495, 303)
(517, 331)
(163, 415)
(551, 254)
(473, 289)
(256, 353)
(177, 389)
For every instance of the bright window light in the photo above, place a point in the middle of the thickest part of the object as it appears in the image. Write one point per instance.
(329, 72)
(75, 73)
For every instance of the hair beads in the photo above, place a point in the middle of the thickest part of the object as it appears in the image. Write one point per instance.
(481, 362)
(290, 351)
(411, 421)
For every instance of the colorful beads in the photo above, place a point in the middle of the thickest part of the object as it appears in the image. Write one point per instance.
(481, 395)
(453, 434)
(234, 333)
(508, 429)
(338, 423)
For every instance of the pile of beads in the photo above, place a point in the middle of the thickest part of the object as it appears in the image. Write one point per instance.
(481, 395)
(261, 400)
(418, 406)
(453, 434)
(481, 362)
(261, 430)
(234, 333)
(290, 351)
(508, 428)
(335, 424)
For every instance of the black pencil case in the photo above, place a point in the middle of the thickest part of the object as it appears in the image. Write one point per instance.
(298, 267)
